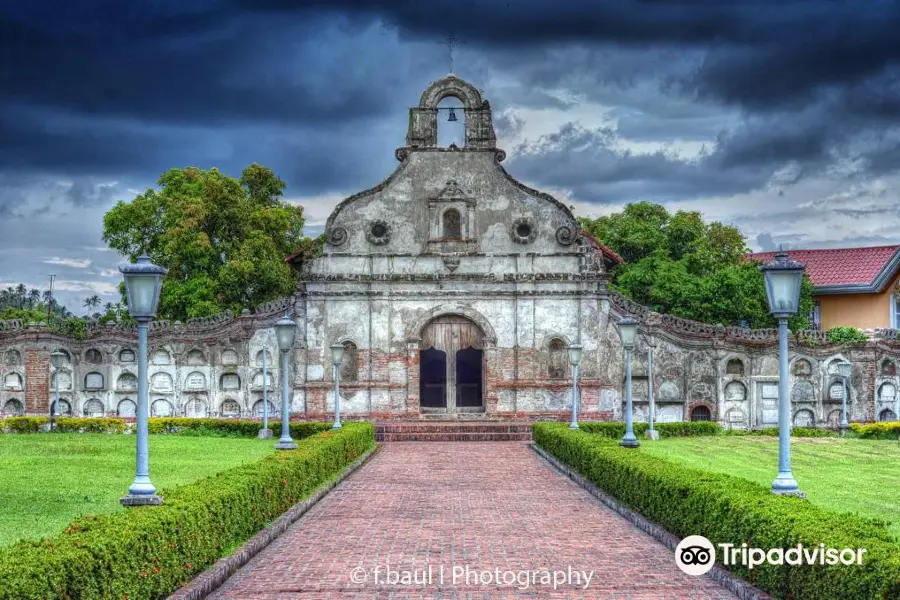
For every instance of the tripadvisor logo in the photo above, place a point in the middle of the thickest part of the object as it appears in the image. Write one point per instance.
(696, 555)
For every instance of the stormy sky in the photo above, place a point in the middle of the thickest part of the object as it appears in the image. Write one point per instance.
(778, 116)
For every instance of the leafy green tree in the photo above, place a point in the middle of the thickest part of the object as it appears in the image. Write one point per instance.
(224, 240)
(680, 264)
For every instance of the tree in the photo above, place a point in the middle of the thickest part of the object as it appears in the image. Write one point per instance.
(92, 301)
(681, 265)
(223, 240)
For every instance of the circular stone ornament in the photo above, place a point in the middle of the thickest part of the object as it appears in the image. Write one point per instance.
(379, 232)
(565, 236)
(337, 236)
(523, 230)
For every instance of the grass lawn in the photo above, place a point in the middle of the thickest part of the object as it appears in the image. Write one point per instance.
(47, 480)
(849, 475)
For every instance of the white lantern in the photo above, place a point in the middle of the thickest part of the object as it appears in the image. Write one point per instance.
(783, 280)
(628, 332)
(285, 330)
(143, 281)
(575, 354)
(843, 368)
(337, 353)
(57, 359)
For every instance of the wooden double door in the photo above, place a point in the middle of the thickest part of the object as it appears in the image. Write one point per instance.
(451, 366)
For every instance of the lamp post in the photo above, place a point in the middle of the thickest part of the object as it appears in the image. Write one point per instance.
(337, 353)
(285, 330)
(844, 368)
(575, 359)
(265, 433)
(628, 333)
(56, 359)
(783, 278)
(143, 282)
(651, 430)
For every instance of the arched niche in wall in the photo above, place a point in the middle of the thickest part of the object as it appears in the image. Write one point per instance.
(126, 381)
(126, 408)
(195, 358)
(13, 358)
(161, 357)
(229, 357)
(161, 382)
(93, 408)
(161, 408)
(230, 408)
(735, 367)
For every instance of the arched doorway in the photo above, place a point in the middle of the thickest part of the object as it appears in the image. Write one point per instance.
(451, 366)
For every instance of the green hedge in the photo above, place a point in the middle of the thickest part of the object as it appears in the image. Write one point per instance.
(727, 509)
(146, 553)
(162, 425)
(63, 425)
(809, 432)
(230, 427)
(883, 430)
(616, 429)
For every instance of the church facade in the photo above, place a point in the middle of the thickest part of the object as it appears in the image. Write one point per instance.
(463, 286)
(454, 290)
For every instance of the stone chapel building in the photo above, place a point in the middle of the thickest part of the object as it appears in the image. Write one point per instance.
(454, 290)
(463, 286)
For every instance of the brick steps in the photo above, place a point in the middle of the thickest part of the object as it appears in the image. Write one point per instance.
(452, 431)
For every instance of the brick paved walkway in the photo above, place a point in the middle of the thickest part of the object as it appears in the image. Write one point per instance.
(481, 505)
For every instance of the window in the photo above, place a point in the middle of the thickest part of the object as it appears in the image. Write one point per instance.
(895, 312)
(349, 362)
(93, 381)
(556, 366)
(701, 413)
(815, 316)
(452, 224)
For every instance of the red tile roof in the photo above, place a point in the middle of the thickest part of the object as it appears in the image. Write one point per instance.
(839, 266)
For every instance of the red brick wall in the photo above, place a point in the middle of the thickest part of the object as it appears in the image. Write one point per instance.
(37, 381)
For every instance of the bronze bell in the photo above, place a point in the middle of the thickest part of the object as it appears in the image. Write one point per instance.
(452, 117)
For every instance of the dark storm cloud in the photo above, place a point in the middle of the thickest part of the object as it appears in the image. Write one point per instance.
(588, 163)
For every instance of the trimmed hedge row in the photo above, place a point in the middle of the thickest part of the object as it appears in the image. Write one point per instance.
(63, 425)
(230, 427)
(148, 552)
(809, 432)
(727, 509)
(162, 425)
(616, 429)
(884, 430)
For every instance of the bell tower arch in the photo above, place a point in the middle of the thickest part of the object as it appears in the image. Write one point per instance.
(479, 122)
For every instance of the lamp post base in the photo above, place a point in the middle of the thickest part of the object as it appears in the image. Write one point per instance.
(651, 434)
(337, 425)
(265, 434)
(285, 446)
(629, 442)
(141, 500)
(786, 485)
(573, 425)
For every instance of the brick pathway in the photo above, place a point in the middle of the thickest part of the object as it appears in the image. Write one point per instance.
(483, 505)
